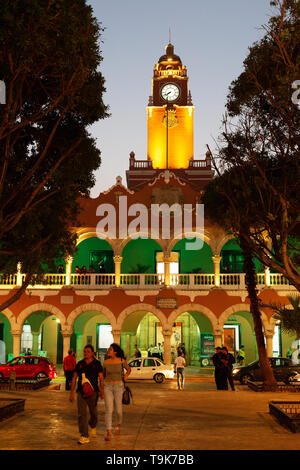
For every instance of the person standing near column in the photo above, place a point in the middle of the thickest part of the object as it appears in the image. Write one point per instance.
(220, 369)
(179, 366)
(113, 387)
(69, 364)
(229, 361)
(88, 368)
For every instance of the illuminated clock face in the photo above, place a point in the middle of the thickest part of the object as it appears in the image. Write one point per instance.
(170, 92)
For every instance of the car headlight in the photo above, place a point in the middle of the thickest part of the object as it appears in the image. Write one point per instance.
(235, 371)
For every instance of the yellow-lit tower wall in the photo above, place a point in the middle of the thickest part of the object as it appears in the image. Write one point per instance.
(173, 146)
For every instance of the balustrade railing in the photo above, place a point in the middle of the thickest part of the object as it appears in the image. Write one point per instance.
(141, 164)
(8, 279)
(93, 280)
(278, 280)
(198, 164)
(145, 280)
(233, 280)
(141, 280)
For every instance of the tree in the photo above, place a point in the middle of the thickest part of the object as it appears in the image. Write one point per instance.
(224, 209)
(49, 59)
(256, 195)
(261, 142)
(289, 317)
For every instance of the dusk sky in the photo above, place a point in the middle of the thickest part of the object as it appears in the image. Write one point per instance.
(212, 39)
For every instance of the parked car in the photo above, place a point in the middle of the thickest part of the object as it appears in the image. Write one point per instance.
(295, 379)
(33, 367)
(150, 368)
(282, 367)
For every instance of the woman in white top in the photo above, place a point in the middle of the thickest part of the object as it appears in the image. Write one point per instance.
(179, 366)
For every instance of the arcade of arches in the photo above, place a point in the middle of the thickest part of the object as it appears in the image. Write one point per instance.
(46, 330)
(44, 333)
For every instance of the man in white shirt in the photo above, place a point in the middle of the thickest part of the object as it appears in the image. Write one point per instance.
(179, 366)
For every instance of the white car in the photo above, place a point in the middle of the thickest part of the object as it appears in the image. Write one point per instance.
(150, 368)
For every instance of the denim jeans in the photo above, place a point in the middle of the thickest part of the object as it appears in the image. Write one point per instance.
(113, 394)
(83, 404)
(180, 376)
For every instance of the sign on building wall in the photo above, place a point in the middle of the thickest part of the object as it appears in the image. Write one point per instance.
(166, 302)
(207, 349)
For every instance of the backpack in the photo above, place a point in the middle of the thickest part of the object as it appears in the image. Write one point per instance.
(87, 388)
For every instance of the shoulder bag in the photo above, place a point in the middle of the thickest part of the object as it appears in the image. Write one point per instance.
(127, 394)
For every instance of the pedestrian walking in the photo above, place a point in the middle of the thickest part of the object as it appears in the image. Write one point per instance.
(69, 364)
(220, 369)
(88, 369)
(229, 361)
(113, 368)
(179, 366)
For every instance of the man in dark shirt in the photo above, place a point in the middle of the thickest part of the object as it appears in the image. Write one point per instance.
(229, 363)
(93, 372)
(220, 369)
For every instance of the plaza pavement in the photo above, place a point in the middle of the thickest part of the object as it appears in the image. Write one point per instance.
(160, 418)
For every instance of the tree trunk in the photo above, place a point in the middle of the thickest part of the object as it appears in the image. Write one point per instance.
(269, 381)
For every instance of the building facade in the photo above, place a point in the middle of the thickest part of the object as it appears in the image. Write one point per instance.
(153, 271)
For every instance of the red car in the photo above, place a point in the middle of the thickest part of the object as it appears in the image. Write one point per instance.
(33, 367)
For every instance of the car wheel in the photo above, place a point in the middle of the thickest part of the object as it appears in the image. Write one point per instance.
(41, 376)
(287, 379)
(245, 379)
(159, 378)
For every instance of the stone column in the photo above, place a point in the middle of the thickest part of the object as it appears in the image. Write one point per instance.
(69, 261)
(216, 260)
(132, 342)
(117, 260)
(117, 336)
(218, 336)
(195, 342)
(16, 342)
(167, 345)
(269, 342)
(167, 261)
(267, 276)
(67, 342)
(19, 274)
(127, 352)
(35, 342)
(79, 345)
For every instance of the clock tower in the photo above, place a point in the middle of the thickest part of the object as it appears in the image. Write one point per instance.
(170, 115)
(170, 129)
